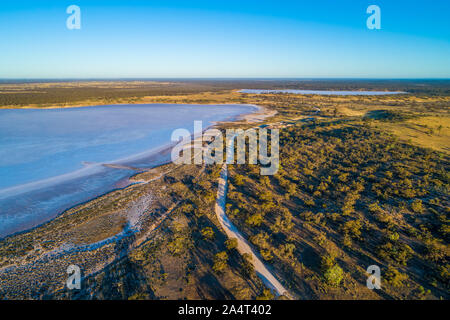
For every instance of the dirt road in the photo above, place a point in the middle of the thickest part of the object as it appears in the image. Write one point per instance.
(243, 247)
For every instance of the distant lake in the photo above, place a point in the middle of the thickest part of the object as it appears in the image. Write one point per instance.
(53, 159)
(323, 92)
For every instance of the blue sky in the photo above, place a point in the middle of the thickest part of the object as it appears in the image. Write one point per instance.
(225, 38)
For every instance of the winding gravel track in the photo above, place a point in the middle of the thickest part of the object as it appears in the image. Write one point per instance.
(243, 247)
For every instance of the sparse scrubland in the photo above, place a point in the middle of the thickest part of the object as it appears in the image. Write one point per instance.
(364, 180)
(347, 197)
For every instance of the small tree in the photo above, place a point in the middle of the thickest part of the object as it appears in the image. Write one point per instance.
(231, 243)
(255, 220)
(332, 273)
(352, 228)
(416, 206)
(266, 254)
(238, 180)
(394, 277)
(265, 295)
(247, 265)
(220, 261)
(208, 233)
(333, 276)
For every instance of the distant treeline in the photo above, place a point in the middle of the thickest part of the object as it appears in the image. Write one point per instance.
(426, 86)
(41, 92)
(42, 95)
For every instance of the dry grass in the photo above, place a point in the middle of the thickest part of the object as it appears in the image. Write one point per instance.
(429, 132)
(204, 97)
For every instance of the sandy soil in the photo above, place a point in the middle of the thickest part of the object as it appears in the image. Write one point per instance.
(258, 116)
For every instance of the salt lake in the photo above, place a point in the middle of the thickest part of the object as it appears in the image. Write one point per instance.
(53, 159)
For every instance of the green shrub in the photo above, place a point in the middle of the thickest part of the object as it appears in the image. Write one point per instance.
(395, 252)
(231, 243)
(255, 220)
(220, 261)
(436, 251)
(416, 206)
(352, 228)
(266, 254)
(208, 233)
(265, 295)
(334, 275)
(238, 180)
(247, 265)
(394, 277)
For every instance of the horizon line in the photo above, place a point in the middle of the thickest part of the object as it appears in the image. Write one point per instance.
(219, 78)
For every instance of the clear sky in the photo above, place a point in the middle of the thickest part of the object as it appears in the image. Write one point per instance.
(225, 38)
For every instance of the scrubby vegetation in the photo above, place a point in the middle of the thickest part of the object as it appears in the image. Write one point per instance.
(348, 196)
(355, 188)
